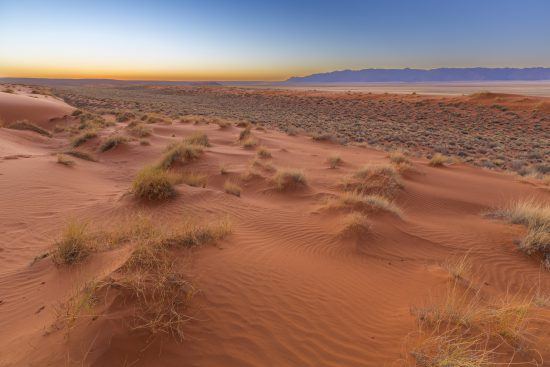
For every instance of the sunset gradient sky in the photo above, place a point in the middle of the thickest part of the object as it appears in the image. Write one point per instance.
(260, 40)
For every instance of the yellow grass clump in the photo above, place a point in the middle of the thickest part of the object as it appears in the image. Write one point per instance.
(364, 203)
(180, 153)
(334, 161)
(438, 160)
(381, 180)
(198, 138)
(232, 188)
(74, 244)
(153, 183)
(289, 178)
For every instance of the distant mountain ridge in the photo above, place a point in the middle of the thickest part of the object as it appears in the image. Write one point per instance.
(426, 75)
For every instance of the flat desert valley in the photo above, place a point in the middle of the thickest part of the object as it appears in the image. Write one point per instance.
(234, 226)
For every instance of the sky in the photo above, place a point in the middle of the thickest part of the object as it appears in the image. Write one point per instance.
(265, 40)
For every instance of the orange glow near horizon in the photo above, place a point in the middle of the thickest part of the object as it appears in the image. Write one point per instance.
(148, 74)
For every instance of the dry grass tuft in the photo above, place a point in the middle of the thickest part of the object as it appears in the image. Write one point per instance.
(194, 179)
(535, 215)
(245, 133)
(180, 153)
(249, 143)
(198, 138)
(112, 142)
(438, 160)
(334, 161)
(263, 153)
(289, 178)
(355, 224)
(232, 188)
(26, 125)
(381, 180)
(64, 160)
(193, 233)
(153, 183)
(364, 203)
(81, 155)
(398, 157)
(74, 244)
(83, 137)
(140, 130)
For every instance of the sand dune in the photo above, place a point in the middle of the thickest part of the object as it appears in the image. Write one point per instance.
(286, 288)
(37, 109)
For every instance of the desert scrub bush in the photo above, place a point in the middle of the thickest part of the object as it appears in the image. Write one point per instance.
(112, 142)
(180, 153)
(364, 203)
(289, 178)
(153, 183)
(249, 143)
(438, 160)
(232, 188)
(194, 233)
(245, 133)
(398, 157)
(198, 138)
(535, 215)
(73, 245)
(144, 142)
(355, 224)
(194, 179)
(26, 125)
(77, 112)
(83, 137)
(140, 130)
(125, 116)
(323, 137)
(64, 160)
(334, 161)
(81, 155)
(263, 165)
(263, 153)
(374, 179)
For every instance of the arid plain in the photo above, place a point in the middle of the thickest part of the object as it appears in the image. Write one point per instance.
(230, 226)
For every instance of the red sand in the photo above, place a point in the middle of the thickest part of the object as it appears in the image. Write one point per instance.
(284, 289)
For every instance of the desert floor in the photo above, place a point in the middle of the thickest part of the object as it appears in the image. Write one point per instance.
(304, 278)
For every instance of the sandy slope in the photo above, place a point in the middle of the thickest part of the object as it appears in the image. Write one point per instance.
(35, 108)
(284, 289)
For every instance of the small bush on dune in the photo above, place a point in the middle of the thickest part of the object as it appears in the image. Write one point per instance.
(334, 161)
(198, 138)
(535, 215)
(438, 160)
(153, 183)
(355, 224)
(194, 233)
(249, 143)
(62, 159)
(375, 179)
(25, 125)
(232, 188)
(323, 137)
(180, 153)
(289, 178)
(398, 157)
(263, 153)
(245, 134)
(194, 179)
(73, 246)
(364, 203)
(81, 155)
(140, 130)
(125, 116)
(112, 142)
(82, 138)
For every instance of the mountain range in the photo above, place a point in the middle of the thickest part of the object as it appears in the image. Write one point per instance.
(426, 75)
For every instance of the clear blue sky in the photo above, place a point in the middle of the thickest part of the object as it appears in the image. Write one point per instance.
(239, 40)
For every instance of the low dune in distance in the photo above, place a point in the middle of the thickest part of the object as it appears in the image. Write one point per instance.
(267, 248)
